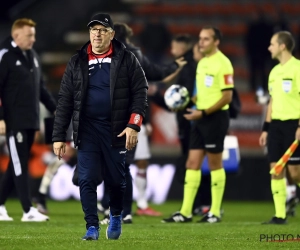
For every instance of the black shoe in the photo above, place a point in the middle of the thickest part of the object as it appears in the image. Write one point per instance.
(291, 206)
(209, 218)
(276, 220)
(177, 217)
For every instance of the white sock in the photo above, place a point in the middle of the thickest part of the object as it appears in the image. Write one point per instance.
(141, 183)
(51, 170)
(291, 191)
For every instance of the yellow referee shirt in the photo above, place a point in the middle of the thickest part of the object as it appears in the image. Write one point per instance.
(214, 74)
(284, 87)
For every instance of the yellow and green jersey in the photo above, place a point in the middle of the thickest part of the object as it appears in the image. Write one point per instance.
(284, 87)
(214, 74)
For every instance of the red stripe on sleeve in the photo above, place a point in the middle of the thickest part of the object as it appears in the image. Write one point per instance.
(228, 79)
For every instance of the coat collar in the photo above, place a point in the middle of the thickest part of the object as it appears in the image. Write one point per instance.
(117, 47)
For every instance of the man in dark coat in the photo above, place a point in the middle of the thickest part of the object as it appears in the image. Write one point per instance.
(104, 92)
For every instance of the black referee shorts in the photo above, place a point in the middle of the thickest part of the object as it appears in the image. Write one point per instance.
(281, 135)
(209, 132)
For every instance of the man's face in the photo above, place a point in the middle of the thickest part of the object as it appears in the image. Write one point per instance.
(24, 37)
(178, 49)
(207, 44)
(100, 39)
(275, 48)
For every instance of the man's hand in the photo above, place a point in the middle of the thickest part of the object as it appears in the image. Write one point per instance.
(2, 127)
(181, 62)
(297, 136)
(263, 138)
(131, 138)
(193, 115)
(59, 149)
(177, 109)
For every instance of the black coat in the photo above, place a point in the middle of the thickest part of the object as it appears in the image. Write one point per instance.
(153, 72)
(21, 88)
(186, 78)
(128, 93)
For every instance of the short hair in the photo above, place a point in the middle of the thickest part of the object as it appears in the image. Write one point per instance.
(20, 23)
(286, 38)
(185, 38)
(122, 31)
(217, 33)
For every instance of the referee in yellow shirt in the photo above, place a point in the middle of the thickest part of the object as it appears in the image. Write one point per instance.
(214, 81)
(281, 126)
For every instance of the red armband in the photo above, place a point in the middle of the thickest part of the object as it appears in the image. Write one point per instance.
(136, 119)
(228, 79)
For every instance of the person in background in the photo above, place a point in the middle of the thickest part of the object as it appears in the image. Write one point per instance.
(256, 41)
(21, 90)
(182, 46)
(281, 127)
(53, 164)
(155, 39)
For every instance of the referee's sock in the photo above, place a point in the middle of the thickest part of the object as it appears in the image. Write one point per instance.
(218, 179)
(191, 185)
(278, 188)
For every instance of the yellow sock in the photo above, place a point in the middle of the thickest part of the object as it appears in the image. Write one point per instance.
(278, 188)
(191, 185)
(218, 179)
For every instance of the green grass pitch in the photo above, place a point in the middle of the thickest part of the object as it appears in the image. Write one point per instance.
(240, 229)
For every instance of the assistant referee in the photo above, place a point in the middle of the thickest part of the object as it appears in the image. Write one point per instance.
(281, 125)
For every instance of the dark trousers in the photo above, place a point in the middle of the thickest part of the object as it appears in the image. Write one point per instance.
(95, 154)
(127, 202)
(19, 145)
